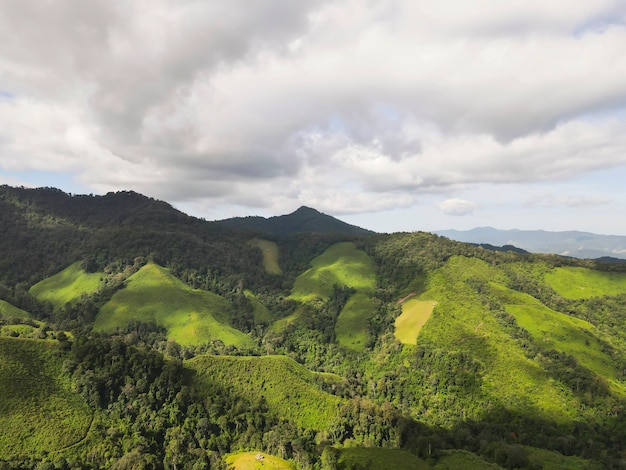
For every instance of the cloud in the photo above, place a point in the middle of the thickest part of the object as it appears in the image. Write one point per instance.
(457, 207)
(352, 105)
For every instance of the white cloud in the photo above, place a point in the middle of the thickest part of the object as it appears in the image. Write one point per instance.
(350, 106)
(457, 207)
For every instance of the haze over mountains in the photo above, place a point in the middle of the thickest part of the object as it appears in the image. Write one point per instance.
(571, 243)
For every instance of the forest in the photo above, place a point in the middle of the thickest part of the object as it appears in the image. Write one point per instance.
(135, 336)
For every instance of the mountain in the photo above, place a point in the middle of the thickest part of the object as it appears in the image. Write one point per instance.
(303, 220)
(144, 338)
(570, 243)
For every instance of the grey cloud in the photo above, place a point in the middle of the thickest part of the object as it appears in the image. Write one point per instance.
(356, 103)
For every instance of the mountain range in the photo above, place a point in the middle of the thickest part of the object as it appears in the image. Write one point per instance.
(567, 243)
(135, 336)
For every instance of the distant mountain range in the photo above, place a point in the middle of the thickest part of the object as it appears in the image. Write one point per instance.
(303, 220)
(571, 243)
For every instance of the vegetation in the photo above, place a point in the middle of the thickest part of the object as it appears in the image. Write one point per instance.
(415, 313)
(290, 391)
(66, 286)
(340, 265)
(11, 311)
(251, 461)
(270, 253)
(154, 295)
(582, 283)
(190, 346)
(38, 411)
(351, 329)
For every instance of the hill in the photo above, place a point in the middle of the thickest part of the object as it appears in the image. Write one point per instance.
(191, 316)
(67, 286)
(204, 341)
(570, 243)
(39, 413)
(290, 391)
(303, 220)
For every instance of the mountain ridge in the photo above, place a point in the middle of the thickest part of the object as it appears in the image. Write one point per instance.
(573, 243)
(302, 220)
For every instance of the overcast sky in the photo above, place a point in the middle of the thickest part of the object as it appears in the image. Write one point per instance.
(390, 114)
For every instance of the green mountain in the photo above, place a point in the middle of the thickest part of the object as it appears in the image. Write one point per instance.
(303, 220)
(144, 338)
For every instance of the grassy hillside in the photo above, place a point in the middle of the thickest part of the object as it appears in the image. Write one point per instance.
(371, 458)
(270, 253)
(343, 265)
(66, 286)
(564, 333)
(461, 322)
(191, 316)
(248, 461)
(11, 311)
(415, 313)
(289, 389)
(38, 411)
(351, 326)
(583, 283)
(260, 313)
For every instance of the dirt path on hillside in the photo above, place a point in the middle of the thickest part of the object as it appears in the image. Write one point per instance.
(412, 294)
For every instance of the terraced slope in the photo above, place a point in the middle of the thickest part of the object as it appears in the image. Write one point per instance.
(191, 316)
(290, 390)
(66, 286)
(38, 411)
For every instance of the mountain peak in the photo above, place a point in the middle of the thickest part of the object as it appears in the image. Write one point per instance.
(302, 220)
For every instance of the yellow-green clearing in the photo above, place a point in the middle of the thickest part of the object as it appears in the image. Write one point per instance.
(39, 413)
(549, 460)
(583, 283)
(191, 316)
(351, 326)
(66, 286)
(415, 314)
(271, 255)
(289, 389)
(342, 265)
(251, 461)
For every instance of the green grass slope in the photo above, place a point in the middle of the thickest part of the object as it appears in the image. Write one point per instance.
(373, 458)
(38, 411)
(66, 286)
(462, 323)
(8, 310)
(351, 325)
(270, 253)
(289, 389)
(191, 316)
(583, 283)
(342, 264)
(548, 460)
(563, 333)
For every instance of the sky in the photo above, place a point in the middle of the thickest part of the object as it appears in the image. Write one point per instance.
(395, 115)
